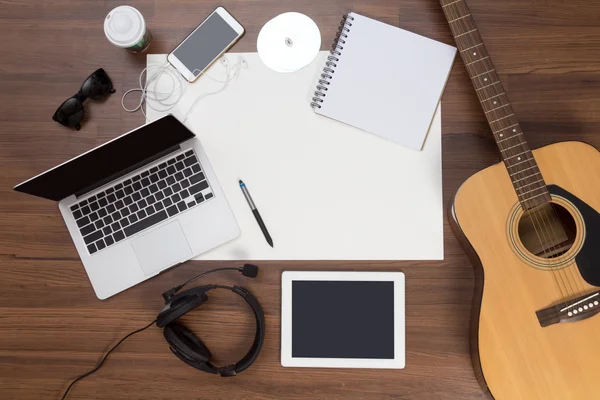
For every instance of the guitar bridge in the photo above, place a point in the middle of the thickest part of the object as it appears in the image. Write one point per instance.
(572, 310)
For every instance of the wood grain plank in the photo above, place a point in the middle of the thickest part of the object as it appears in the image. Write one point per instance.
(547, 55)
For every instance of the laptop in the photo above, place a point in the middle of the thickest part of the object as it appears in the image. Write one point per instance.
(138, 204)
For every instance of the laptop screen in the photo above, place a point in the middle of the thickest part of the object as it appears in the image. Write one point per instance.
(108, 161)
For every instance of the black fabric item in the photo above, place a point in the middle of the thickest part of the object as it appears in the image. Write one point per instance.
(181, 304)
(96, 86)
(184, 342)
(259, 337)
(250, 270)
(188, 347)
(206, 367)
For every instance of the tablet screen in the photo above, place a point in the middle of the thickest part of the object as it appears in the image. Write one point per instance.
(343, 319)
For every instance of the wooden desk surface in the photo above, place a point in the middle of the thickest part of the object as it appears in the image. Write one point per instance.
(53, 328)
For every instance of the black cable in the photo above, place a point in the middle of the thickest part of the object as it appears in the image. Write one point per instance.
(206, 273)
(247, 270)
(105, 357)
(171, 292)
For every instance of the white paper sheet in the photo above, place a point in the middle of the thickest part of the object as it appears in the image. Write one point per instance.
(326, 190)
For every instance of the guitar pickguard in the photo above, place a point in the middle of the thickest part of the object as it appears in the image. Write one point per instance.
(588, 258)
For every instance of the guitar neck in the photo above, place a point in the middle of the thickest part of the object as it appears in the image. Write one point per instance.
(518, 159)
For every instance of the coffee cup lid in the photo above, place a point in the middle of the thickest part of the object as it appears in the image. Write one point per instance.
(124, 26)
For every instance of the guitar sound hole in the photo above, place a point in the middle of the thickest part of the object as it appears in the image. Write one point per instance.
(548, 230)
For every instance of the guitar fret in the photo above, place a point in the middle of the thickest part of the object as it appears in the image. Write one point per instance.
(499, 119)
(481, 59)
(537, 195)
(486, 72)
(533, 197)
(446, 5)
(517, 155)
(511, 137)
(516, 145)
(456, 19)
(523, 170)
(529, 176)
(468, 40)
(500, 94)
(472, 47)
(483, 87)
(497, 108)
(519, 163)
(508, 127)
(529, 184)
(466, 33)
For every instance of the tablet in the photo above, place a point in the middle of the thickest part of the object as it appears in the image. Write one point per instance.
(342, 319)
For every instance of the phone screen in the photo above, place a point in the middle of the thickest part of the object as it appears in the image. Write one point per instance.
(205, 44)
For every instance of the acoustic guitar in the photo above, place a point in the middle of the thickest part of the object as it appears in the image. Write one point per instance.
(532, 227)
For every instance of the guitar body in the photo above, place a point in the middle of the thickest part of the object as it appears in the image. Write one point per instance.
(515, 357)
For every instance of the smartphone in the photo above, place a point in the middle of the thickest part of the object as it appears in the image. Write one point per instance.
(213, 37)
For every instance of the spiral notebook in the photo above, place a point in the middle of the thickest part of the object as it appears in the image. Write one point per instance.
(383, 79)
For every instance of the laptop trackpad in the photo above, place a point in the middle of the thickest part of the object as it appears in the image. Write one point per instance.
(161, 248)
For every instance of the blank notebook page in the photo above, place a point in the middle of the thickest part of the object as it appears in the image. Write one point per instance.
(386, 81)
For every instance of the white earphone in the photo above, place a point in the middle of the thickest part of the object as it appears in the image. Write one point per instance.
(164, 101)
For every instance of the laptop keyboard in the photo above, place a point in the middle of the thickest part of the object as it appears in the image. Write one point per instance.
(141, 201)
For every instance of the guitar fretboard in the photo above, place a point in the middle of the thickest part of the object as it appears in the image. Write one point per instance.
(518, 159)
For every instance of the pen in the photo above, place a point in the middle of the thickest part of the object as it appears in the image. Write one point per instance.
(259, 219)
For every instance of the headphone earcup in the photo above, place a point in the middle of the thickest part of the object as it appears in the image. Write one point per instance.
(183, 304)
(186, 344)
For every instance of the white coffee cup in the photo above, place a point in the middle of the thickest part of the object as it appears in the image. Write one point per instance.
(125, 27)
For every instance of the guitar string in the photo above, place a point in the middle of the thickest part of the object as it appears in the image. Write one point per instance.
(541, 212)
(539, 224)
(543, 234)
(579, 283)
(541, 215)
(546, 258)
(536, 219)
(462, 25)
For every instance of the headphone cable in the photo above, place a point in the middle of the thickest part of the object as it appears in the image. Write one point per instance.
(206, 273)
(105, 357)
(169, 293)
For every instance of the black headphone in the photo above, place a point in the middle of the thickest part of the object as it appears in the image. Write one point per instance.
(187, 346)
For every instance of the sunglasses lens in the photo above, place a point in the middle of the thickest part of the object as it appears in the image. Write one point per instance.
(70, 113)
(97, 86)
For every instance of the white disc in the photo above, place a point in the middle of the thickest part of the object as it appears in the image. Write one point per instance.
(289, 42)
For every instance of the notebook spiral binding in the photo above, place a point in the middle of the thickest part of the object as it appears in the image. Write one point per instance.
(332, 59)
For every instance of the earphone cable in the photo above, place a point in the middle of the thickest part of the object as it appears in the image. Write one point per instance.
(166, 100)
(104, 358)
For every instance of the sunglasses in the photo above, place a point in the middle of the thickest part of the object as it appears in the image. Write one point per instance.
(97, 86)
